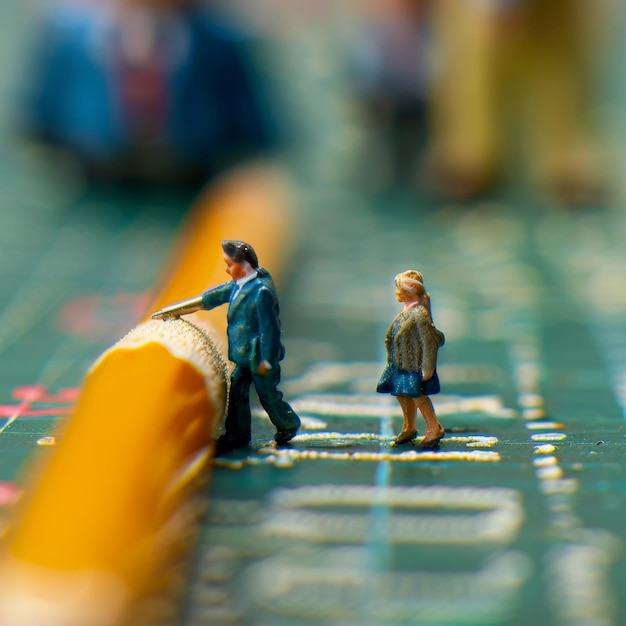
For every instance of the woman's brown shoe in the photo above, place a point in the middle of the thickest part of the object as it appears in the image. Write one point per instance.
(431, 440)
(404, 437)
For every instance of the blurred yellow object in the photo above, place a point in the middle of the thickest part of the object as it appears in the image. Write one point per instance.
(519, 77)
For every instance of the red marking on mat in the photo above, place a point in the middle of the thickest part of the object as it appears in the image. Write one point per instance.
(9, 493)
(31, 394)
(95, 316)
(39, 393)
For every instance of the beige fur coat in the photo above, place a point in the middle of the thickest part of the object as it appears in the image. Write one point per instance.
(413, 346)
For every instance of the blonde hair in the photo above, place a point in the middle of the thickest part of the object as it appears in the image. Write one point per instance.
(412, 282)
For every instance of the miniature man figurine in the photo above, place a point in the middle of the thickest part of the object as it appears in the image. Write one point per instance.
(254, 344)
(412, 342)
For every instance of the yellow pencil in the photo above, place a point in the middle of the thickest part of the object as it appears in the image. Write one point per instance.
(101, 534)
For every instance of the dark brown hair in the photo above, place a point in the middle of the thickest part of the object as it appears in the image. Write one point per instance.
(240, 251)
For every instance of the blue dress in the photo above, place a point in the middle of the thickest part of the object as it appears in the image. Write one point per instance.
(400, 382)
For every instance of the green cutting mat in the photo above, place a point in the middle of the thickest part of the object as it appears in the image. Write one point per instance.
(516, 519)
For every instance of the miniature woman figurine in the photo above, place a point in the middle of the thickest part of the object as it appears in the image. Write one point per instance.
(412, 342)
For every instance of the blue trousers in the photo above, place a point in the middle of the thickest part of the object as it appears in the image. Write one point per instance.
(238, 418)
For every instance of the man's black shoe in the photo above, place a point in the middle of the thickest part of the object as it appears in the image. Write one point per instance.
(285, 436)
(225, 444)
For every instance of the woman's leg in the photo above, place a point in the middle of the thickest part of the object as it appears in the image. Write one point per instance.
(409, 411)
(434, 430)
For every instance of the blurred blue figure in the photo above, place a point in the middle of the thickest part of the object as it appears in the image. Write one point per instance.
(155, 91)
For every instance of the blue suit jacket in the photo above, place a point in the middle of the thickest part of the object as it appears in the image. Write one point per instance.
(217, 102)
(253, 320)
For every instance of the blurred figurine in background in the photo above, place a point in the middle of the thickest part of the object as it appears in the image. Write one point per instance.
(521, 73)
(462, 96)
(412, 343)
(148, 90)
(254, 344)
(389, 56)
